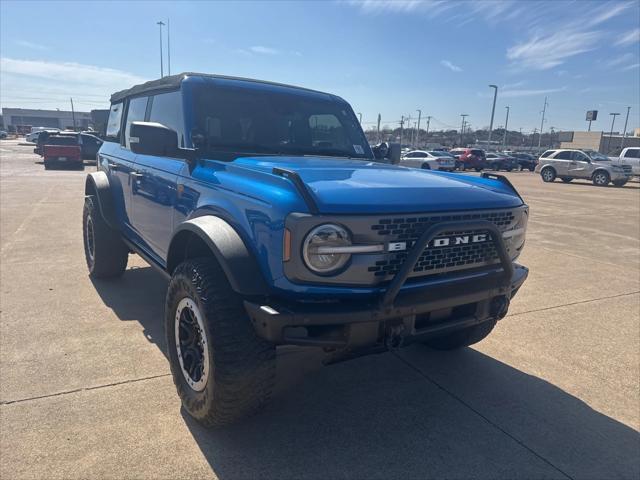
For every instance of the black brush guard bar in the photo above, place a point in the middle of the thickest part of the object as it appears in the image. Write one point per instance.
(429, 235)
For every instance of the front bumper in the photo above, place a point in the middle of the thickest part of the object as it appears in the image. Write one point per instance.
(429, 311)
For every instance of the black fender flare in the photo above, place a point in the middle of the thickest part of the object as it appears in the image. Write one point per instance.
(237, 261)
(98, 183)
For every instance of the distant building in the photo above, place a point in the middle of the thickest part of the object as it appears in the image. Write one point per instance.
(18, 118)
(599, 141)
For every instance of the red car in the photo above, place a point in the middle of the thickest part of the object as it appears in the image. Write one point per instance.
(469, 158)
(62, 150)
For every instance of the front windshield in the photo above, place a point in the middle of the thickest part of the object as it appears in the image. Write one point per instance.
(252, 121)
(597, 156)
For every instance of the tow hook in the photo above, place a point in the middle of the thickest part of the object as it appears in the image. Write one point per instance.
(394, 337)
(499, 307)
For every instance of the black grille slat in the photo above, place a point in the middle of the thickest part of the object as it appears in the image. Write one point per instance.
(439, 259)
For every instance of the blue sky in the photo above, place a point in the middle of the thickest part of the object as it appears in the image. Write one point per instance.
(387, 57)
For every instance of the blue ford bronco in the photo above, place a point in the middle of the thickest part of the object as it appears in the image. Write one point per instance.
(277, 224)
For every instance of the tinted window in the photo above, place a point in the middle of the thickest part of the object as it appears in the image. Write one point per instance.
(135, 113)
(62, 141)
(114, 122)
(477, 153)
(580, 157)
(243, 120)
(546, 154)
(632, 153)
(565, 155)
(166, 109)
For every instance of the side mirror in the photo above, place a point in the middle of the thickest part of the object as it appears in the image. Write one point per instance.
(150, 138)
(388, 152)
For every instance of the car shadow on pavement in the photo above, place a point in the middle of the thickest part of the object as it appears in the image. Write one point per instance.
(418, 413)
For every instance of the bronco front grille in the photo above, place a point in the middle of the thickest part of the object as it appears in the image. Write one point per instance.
(441, 259)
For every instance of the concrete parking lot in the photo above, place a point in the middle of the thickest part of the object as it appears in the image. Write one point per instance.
(554, 392)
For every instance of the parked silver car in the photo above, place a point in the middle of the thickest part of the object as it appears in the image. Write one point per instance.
(429, 160)
(568, 164)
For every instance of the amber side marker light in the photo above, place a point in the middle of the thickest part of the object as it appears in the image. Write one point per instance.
(286, 246)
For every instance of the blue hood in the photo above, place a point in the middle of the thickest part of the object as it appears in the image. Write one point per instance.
(355, 186)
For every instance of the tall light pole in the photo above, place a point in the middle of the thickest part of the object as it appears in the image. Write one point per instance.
(379, 118)
(401, 125)
(426, 134)
(168, 49)
(418, 132)
(161, 24)
(464, 116)
(624, 134)
(544, 110)
(613, 119)
(493, 111)
(506, 125)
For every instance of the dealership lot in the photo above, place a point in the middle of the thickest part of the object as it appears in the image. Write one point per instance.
(85, 389)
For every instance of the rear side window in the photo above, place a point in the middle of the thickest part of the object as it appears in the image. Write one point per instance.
(546, 154)
(135, 113)
(166, 108)
(632, 153)
(565, 155)
(114, 122)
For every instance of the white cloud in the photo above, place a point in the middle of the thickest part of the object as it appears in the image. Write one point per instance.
(548, 51)
(45, 84)
(508, 86)
(450, 66)
(33, 46)
(621, 59)
(629, 38)
(630, 67)
(529, 93)
(264, 50)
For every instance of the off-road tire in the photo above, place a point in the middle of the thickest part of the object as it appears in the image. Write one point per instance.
(462, 338)
(566, 179)
(619, 183)
(241, 372)
(601, 178)
(104, 250)
(548, 174)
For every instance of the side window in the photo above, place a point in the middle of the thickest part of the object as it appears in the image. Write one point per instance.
(114, 122)
(135, 113)
(410, 155)
(632, 153)
(580, 157)
(546, 154)
(166, 108)
(564, 155)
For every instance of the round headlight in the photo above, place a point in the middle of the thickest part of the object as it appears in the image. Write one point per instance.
(321, 248)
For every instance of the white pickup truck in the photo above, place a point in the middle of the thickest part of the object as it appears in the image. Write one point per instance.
(629, 156)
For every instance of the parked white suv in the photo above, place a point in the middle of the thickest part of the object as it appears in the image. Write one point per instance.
(429, 160)
(629, 156)
(568, 164)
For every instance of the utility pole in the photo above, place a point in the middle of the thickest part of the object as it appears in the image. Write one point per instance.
(551, 129)
(614, 115)
(521, 139)
(161, 24)
(533, 137)
(378, 136)
(624, 134)
(73, 115)
(426, 135)
(401, 125)
(418, 132)
(506, 125)
(544, 110)
(463, 115)
(168, 49)
(493, 111)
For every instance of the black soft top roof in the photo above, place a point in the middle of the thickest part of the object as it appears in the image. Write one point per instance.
(174, 81)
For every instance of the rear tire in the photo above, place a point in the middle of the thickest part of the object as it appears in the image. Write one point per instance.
(548, 174)
(222, 370)
(425, 166)
(462, 338)
(601, 178)
(104, 250)
(566, 179)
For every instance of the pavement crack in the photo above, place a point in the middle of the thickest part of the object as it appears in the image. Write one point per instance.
(85, 389)
(477, 412)
(574, 303)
